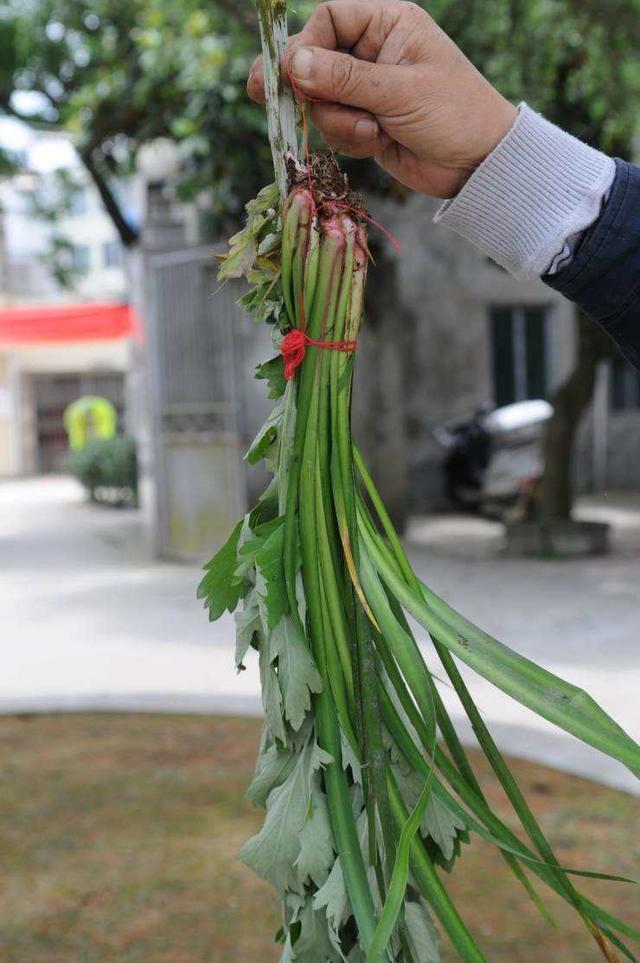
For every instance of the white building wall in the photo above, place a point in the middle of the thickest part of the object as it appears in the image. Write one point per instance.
(88, 227)
(26, 279)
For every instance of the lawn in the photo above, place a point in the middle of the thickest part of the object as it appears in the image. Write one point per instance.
(118, 835)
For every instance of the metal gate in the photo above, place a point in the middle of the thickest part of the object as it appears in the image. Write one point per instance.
(192, 360)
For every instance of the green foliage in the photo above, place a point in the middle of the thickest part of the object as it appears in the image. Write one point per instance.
(297, 673)
(275, 852)
(116, 74)
(244, 246)
(107, 467)
(52, 201)
(422, 933)
(574, 60)
(264, 445)
(443, 826)
(59, 261)
(272, 372)
(220, 588)
(274, 766)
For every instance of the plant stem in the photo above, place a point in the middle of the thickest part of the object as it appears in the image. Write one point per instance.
(281, 111)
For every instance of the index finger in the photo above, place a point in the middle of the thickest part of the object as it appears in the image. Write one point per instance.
(358, 25)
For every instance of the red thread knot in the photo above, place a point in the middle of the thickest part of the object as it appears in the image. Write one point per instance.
(294, 347)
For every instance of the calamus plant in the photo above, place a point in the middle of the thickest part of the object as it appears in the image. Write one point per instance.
(369, 794)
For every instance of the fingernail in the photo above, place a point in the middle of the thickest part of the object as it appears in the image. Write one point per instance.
(366, 129)
(301, 63)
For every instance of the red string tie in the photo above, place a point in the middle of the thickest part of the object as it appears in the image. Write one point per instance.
(294, 347)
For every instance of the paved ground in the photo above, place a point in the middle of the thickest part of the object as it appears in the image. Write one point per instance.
(88, 621)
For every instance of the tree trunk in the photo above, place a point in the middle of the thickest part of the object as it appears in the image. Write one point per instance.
(379, 404)
(570, 403)
(128, 235)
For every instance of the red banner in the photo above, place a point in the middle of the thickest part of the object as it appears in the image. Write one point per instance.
(58, 323)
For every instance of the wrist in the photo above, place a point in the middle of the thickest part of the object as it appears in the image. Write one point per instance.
(538, 186)
(498, 121)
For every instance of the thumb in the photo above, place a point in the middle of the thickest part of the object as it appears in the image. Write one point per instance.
(343, 79)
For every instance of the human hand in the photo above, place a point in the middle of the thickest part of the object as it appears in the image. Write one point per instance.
(385, 81)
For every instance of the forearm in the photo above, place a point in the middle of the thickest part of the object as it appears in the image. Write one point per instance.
(535, 191)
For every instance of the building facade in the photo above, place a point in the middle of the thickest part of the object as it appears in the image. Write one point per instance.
(39, 379)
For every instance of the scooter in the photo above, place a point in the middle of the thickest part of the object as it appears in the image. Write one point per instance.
(494, 460)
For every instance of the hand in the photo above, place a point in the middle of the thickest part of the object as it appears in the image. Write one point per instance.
(388, 83)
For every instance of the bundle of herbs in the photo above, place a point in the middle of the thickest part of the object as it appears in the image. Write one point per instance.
(368, 791)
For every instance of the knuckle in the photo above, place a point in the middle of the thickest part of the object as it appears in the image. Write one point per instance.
(414, 10)
(342, 74)
(388, 20)
(321, 14)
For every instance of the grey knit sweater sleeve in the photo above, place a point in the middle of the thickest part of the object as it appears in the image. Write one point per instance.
(537, 192)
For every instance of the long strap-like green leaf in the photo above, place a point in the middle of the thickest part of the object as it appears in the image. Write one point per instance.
(564, 705)
(399, 878)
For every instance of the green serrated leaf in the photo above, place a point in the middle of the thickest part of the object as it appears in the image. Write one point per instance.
(332, 897)
(248, 624)
(240, 256)
(442, 826)
(270, 584)
(252, 540)
(243, 246)
(421, 932)
(274, 765)
(272, 372)
(220, 588)
(273, 852)
(316, 841)
(266, 508)
(350, 760)
(297, 672)
(313, 943)
(264, 443)
(271, 693)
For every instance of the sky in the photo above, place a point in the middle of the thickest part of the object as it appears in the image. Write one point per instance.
(42, 154)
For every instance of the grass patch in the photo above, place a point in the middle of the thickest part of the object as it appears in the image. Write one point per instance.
(118, 835)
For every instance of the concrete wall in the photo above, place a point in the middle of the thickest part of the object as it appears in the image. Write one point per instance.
(446, 289)
(6, 441)
(623, 452)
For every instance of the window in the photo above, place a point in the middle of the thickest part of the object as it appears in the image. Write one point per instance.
(625, 386)
(23, 202)
(80, 257)
(112, 254)
(519, 353)
(78, 202)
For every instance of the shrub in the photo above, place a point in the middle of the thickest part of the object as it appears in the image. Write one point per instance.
(108, 469)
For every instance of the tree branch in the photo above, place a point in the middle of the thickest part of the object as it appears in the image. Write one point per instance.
(33, 120)
(128, 235)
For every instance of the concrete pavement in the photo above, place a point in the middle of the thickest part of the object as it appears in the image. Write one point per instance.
(88, 621)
